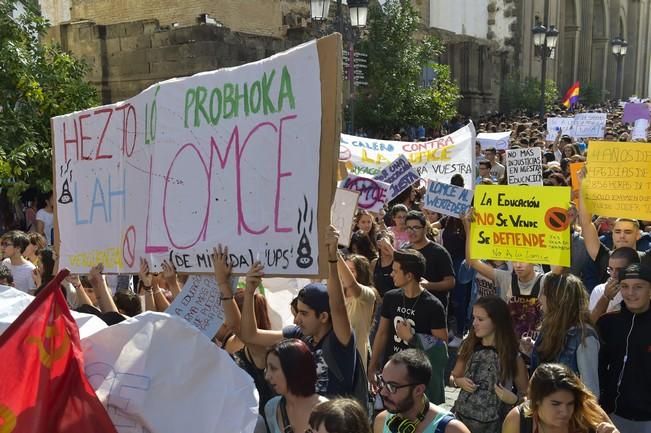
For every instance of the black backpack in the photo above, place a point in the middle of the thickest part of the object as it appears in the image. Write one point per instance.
(360, 382)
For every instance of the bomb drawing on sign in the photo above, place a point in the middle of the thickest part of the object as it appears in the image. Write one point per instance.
(304, 249)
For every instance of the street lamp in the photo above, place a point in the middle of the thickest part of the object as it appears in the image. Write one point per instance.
(619, 48)
(319, 9)
(358, 12)
(544, 41)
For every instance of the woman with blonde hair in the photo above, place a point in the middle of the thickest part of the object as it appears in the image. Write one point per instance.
(566, 333)
(558, 403)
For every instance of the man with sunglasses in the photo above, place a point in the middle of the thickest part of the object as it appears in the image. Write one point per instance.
(12, 247)
(402, 387)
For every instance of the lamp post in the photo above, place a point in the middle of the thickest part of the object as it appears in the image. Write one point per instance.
(358, 10)
(619, 48)
(544, 40)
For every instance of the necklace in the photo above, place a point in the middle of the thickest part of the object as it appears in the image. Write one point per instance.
(413, 307)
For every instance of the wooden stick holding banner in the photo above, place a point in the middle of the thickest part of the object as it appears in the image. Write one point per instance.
(343, 214)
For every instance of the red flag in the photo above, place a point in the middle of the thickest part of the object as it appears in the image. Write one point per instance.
(43, 388)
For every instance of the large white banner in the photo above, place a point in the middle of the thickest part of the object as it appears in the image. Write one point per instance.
(228, 156)
(438, 159)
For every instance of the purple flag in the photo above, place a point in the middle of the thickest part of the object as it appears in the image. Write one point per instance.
(635, 111)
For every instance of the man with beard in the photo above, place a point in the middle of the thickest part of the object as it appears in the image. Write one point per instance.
(402, 388)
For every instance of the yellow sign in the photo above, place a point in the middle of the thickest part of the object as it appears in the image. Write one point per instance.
(7, 420)
(618, 181)
(521, 224)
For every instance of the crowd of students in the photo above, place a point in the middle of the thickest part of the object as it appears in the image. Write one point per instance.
(538, 349)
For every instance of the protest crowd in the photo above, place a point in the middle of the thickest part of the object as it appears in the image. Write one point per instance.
(411, 304)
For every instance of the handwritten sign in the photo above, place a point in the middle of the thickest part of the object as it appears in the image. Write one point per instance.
(555, 124)
(639, 130)
(447, 199)
(524, 166)
(372, 193)
(618, 180)
(238, 156)
(400, 174)
(498, 140)
(199, 304)
(634, 111)
(439, 159)
(590, 125)
(522, 224)
(343, 214)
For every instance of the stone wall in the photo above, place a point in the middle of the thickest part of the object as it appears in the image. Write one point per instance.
(268, 17)
(127, 58)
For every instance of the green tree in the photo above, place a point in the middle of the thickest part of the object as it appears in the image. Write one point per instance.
(524, 95)
(37, 81)
(395, 97)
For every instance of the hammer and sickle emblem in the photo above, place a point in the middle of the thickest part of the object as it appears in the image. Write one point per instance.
(7, 420)
(46, 357)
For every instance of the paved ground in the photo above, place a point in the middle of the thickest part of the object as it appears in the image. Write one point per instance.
(450, 397)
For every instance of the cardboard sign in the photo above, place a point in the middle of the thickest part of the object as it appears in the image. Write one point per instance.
(524, 166)
(199, 304)
(634, 111)
(555, 124)
(522, 224)
(343, 214)
(439, 159)
(639, 130)
(372, 193)
(447, 199)
(400, 174)
(498, 140)
(618, 180)
(591, 125)
(583, 125)
(235, 156)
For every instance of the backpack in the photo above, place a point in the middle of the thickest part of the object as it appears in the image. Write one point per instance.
(483, 405)
(360, 382)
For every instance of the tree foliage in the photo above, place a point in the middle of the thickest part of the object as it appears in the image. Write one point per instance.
(524, 95)
(37, 81)
(395, 96)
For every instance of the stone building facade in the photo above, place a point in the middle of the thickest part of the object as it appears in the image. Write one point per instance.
(131, 44)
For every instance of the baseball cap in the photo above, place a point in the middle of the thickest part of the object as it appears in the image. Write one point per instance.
(315, 296)
(636, 271)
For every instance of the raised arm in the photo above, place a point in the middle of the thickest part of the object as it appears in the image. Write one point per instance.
(339, 315)
(588, 230)
(249, 332)
(169, 274)
(102, 292)
(348, 278)
(223, 271)
(145, 285)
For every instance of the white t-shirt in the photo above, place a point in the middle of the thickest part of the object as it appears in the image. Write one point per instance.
(48, 224)
(598, 292)
(22, 274)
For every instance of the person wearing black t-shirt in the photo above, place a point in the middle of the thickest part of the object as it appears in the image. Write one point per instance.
(439, 273)
(406, 311)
